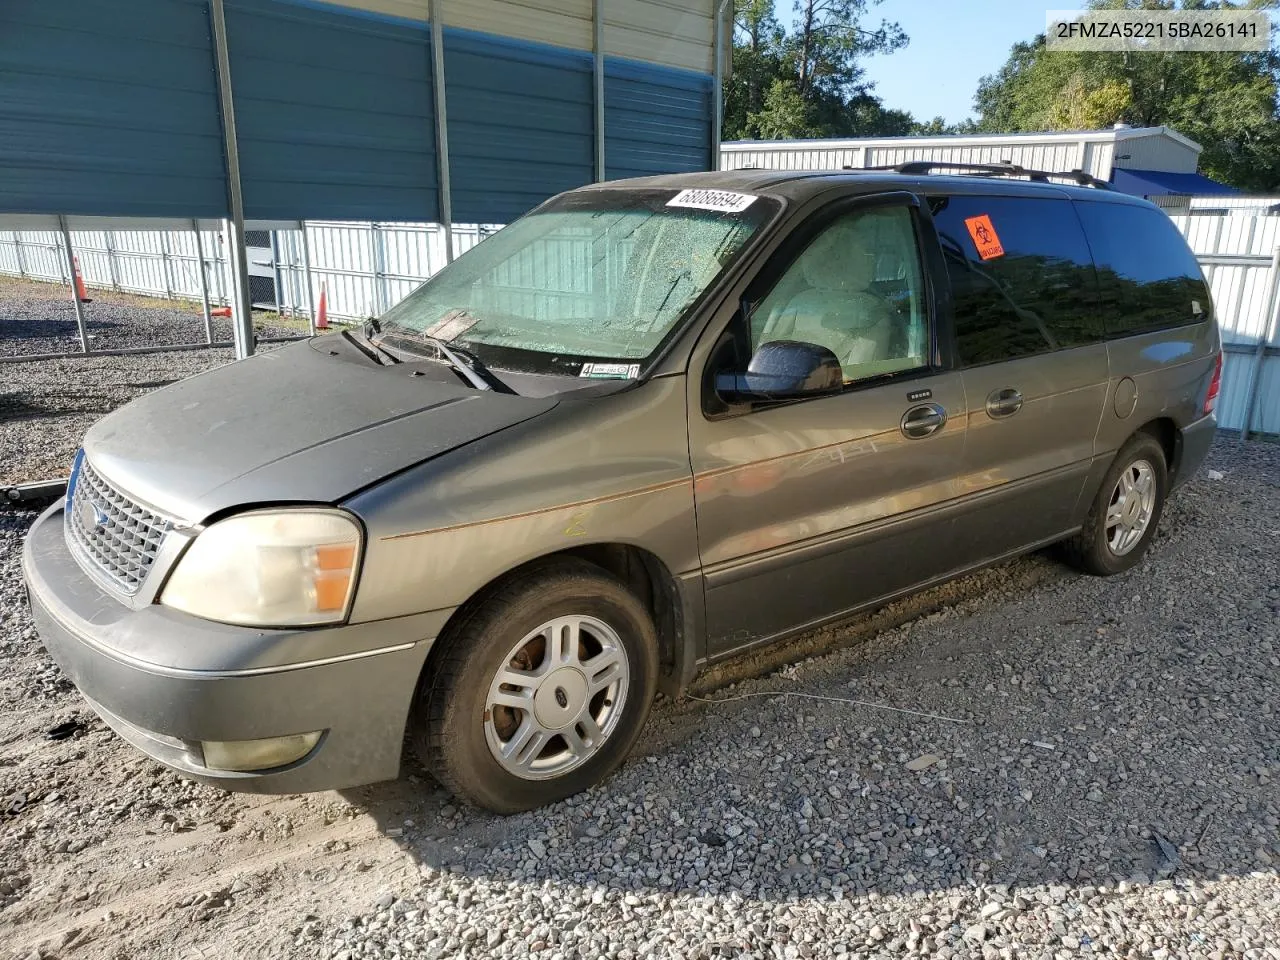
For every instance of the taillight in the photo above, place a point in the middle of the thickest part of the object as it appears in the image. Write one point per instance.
(1215, 385)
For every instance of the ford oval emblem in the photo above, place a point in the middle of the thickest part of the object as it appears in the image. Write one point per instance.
(92, 515)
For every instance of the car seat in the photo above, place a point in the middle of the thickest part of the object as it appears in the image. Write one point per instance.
(836, 308)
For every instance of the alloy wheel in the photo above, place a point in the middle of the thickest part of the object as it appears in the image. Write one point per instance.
(557, 697)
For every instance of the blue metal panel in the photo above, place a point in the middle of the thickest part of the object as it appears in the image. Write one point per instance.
(334, 113)
(657, 119)
(109, 109)
(1159, 183)
(521, 124)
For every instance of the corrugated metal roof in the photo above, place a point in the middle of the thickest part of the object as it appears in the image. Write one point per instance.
(334, 113)
(671, 33)
(656, 120)
(109, 109)
(112, 109)
(521, 124)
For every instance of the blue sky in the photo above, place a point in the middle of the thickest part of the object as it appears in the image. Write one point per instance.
(953, 44)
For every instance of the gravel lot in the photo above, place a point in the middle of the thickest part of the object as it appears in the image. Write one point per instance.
(46, 406)
(1108, 789)
(38, 317)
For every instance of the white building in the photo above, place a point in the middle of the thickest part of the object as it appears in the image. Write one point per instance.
(1156, 161)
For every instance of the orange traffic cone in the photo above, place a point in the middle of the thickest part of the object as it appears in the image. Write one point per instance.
(81, 294)
(220, 312)
(322, 312)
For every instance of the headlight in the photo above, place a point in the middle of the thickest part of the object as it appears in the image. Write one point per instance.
(277, 568)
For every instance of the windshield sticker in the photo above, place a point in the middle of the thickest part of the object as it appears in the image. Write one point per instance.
(624, 371)
(452, 325)
(984, 236)
(725, 201)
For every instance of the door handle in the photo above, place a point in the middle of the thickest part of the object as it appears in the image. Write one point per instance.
(1003, 403)
(919, 422)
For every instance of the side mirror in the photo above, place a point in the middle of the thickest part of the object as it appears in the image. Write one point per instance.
(784, 370)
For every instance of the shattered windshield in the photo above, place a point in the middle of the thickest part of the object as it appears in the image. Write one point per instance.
(590, 285)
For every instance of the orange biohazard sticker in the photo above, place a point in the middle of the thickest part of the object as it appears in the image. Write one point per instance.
(984, 236)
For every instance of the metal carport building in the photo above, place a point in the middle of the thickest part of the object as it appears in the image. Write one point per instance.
(263, 111)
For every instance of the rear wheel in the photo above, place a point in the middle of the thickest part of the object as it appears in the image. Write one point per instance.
(541, 691)
(1124, 515)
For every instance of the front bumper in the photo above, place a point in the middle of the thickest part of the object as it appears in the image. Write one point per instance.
(166, 681)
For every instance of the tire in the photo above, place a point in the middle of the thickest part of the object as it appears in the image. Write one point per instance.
(459, 730)
(1104, 550)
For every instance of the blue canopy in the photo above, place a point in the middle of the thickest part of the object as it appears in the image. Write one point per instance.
(1160, 183)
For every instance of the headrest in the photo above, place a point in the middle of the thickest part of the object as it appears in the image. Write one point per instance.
(841, 258)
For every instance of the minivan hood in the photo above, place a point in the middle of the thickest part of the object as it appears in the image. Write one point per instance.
(294, 424)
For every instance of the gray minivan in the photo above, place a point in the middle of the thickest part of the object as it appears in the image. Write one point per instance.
(650, 425)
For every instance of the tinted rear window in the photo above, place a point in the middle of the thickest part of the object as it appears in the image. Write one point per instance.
(1029, 288)
(1148, 279)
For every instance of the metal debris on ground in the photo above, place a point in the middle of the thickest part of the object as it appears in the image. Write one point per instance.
(64, 731)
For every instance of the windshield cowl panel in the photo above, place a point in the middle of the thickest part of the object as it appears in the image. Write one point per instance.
(592, 284)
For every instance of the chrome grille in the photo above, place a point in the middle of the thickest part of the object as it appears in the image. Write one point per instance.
(114, 534)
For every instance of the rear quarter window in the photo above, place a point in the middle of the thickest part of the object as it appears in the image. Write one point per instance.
(1030, 288)
(1148, 279)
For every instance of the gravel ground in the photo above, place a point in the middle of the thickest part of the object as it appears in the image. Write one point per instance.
(39, 317)
(1097, 778)
(46, 406)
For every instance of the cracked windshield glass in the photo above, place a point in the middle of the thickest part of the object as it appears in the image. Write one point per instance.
(592, 283)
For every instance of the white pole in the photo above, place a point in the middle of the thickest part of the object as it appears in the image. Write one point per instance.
(241, 309)
(597, 32)
(204, 283)
(442, 127)
(717, 92)
(71, 274)
(306, 273)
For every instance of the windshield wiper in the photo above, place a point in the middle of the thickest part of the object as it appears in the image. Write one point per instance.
(366, 345)
(466, 363)
(371, 328)
(469, 365)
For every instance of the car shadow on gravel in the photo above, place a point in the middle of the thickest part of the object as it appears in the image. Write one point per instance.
(1084, 734)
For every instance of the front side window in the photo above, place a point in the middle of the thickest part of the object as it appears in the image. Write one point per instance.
(1022, 279)
(594, 281)
(857, 290)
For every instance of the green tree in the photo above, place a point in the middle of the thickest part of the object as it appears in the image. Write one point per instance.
(758, 60)
(807, 81)
(1228, 102)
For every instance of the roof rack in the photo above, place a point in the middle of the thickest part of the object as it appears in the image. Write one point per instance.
(1003, 169)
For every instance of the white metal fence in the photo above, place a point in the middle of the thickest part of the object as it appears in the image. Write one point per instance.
(1240, 254)
(364, 268)
(150, 262)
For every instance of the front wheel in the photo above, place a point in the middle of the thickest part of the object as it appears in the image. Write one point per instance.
(1124, 515)
(541, 691)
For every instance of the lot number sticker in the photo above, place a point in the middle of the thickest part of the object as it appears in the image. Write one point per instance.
(726, 201)
(984, 236)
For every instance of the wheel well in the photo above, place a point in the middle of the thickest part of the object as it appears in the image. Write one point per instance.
(643, 573)
(1166, 432)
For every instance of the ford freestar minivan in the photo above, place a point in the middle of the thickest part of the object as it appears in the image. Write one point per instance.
(650, 425)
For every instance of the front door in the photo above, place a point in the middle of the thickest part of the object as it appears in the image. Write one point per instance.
(809, 508)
